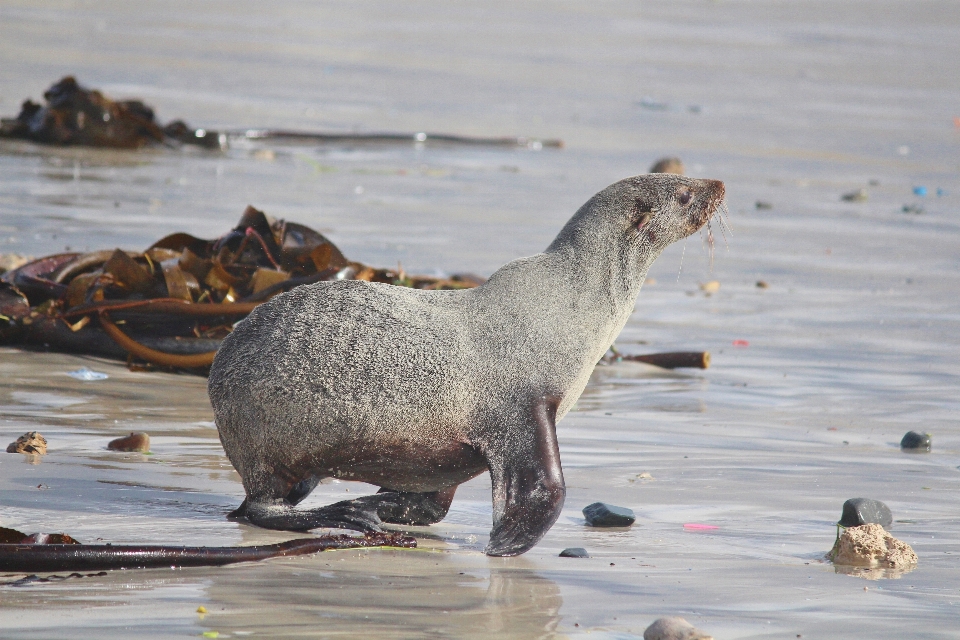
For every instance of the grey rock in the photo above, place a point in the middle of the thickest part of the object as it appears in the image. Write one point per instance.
(668, 165)
(859, 195)
(858, 511)
(599, 514)
(674, 629)
(574, 552)
(913, 441)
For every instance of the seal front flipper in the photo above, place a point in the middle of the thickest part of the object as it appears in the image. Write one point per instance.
(302, 489)
(527, 482)
(405, 507)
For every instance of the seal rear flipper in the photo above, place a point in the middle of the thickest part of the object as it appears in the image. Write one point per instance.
(405, 507)
(357, 515)
(528, 488)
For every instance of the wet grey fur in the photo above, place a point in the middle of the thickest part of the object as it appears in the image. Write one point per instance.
(418, 391)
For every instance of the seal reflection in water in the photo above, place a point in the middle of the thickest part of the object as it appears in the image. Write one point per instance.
(418, 391)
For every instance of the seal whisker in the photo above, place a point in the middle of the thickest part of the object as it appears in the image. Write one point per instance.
(682, 253)
(723, 214)
(710, 243)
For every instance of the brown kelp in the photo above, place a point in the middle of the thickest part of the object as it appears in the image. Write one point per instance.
(74, 115)
(171, 304)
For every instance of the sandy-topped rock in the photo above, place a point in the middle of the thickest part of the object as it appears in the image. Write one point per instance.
(674, 628)
(870, 547)
(30, 442)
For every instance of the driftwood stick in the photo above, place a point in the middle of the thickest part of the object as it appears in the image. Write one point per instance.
(172, 306)
(381, 138)
(671, 360)
(31, 558)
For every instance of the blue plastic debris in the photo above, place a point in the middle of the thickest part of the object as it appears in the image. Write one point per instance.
(86, 374)
(920, 191)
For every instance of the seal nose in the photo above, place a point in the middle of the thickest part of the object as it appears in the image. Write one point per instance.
(718, 189)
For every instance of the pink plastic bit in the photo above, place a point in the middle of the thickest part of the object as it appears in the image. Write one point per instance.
(700, 527)
(741, 343)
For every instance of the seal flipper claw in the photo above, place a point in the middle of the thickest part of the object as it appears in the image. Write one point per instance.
(405, 507)
(238, 513)
(528, 488)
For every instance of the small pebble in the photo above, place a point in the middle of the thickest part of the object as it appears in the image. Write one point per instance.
(762, 284)
(860, 195)
(915, 442)
(762, 204)
(599, 514)
(710, 287)
(574, 552)
(912, 208)
(858, 511)
(668, 165)
(133, 442)
(30, 442)
(674, 629)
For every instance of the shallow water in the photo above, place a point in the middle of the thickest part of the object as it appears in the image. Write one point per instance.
(853, 343)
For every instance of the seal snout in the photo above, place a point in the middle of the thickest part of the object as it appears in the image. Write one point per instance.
(710, 200)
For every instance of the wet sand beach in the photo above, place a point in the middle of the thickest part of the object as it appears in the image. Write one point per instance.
(814, 378)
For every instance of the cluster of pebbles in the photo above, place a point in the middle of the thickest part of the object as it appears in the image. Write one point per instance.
(863, 548)
(34, 443)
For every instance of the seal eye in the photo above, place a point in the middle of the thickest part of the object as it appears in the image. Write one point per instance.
(685, 198)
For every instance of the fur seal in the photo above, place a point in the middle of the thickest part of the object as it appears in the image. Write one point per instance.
(419, 391)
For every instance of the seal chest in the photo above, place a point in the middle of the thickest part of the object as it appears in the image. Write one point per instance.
(419, 391)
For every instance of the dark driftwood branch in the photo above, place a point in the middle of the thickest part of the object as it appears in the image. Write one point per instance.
(671, 360)
(384, 138)
(31, 558)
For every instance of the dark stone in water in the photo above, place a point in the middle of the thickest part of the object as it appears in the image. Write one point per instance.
(599, 514)
(574, 552)
(858, 511)
(913, 441)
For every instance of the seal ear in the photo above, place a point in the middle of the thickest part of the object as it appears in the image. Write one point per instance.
(642, 214)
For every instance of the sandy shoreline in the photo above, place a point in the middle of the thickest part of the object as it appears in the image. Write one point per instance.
(853, 343)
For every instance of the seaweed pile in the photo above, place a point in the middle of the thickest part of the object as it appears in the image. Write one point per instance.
(170, 306)
(74, 115)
